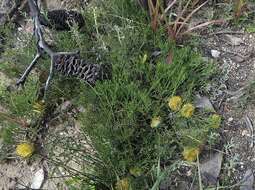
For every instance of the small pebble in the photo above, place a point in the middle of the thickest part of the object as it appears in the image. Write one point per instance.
(215, 53)
(238, 59)
(244, 133)
(235, 41)
(189, 173)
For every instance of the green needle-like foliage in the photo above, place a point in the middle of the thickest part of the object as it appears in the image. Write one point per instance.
(119, 111)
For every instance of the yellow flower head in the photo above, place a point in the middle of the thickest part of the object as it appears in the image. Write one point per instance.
(135, 171)
(190, 153)
(215, 121)
(122, 184)
(25, 150)
(155, 122)
(175, 103)
(187, 110)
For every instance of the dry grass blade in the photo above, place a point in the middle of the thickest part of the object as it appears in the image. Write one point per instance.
(12, 119)
(239, 5)
(172, 23)
(170, 6)
(199, 174)
(190, 15)
(203, 25)
(180, 15)
(154, 12)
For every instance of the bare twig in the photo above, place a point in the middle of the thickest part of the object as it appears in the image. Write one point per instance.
(249, 124)
(202, 25)
(199, 174)
(245, 57)
(225, 32)
(90, 73)
(40, 42)
(22, 79)
(169, 6)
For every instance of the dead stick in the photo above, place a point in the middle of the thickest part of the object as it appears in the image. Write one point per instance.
(68, 63)
(42, 46)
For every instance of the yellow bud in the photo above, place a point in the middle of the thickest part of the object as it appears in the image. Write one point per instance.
(25, 150)
(190, 153)
(187, 110)
(144, 59)
(175, 103)
(215, 121)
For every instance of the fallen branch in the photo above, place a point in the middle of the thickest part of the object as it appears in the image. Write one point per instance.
(68, 63)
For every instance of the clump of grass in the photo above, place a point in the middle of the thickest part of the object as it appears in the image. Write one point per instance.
(239, 6)
(176, 16)
(119, 111)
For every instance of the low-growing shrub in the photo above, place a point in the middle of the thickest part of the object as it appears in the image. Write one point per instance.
(143, 118)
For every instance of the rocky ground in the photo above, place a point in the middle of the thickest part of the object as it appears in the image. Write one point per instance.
(235, 55)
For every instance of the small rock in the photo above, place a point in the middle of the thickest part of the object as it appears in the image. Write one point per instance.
(247, 181)
(38, 179)
(230, 119)
(210, 169)
(245, 133)
(215, 53)
(203, 102)
(235, 41)
(238, 59)
(189, 173)
(167, 184)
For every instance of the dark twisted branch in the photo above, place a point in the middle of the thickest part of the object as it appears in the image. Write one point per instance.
(67, 63)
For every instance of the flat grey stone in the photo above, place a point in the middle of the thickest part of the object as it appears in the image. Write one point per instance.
(248, 180)
(210, 169)
(238, 59)
(203, 102)
(235, 41)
